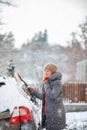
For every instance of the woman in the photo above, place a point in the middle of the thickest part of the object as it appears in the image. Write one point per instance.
(53, 112)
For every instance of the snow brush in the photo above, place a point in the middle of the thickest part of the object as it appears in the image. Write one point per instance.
(33, 99)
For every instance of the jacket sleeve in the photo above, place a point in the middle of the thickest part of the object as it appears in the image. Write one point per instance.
(54, 90)
(38, 95)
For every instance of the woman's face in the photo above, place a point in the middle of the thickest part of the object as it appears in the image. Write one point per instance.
(47, 73)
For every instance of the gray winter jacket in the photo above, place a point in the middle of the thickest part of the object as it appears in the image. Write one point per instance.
(55, 112)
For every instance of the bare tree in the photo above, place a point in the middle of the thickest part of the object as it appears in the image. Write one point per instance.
(7, 2)
(74, 41)
(83, 35)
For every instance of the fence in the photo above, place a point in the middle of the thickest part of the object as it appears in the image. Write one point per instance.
(75, 92)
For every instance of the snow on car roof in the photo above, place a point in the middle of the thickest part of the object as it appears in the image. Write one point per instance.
(10, 95)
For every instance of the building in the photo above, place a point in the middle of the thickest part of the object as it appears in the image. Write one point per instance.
(81, 74)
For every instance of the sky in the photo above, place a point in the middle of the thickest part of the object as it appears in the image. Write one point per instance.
(59, 17)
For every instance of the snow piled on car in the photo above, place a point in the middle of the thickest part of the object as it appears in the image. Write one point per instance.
(10, 96)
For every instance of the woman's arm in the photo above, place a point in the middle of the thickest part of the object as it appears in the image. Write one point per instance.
(35, 93)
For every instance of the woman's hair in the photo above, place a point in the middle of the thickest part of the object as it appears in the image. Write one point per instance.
(52, 67)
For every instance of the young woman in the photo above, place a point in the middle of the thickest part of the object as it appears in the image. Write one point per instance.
(53, 112)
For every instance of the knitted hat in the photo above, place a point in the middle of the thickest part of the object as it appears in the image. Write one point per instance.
(52, 67)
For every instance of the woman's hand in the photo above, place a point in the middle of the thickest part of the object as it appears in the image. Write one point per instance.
(31, 89)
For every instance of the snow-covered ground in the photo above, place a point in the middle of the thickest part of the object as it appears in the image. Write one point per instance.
(11, 96)
(76, 120)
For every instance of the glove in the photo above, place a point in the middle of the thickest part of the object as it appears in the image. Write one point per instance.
(31, 89)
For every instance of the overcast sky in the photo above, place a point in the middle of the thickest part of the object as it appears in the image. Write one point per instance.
(59, 17)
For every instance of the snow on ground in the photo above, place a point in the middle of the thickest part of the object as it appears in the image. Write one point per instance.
(76, 116)
(10, 96)
(76, 120)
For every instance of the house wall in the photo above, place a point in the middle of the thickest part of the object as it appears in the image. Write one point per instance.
(81, 73)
